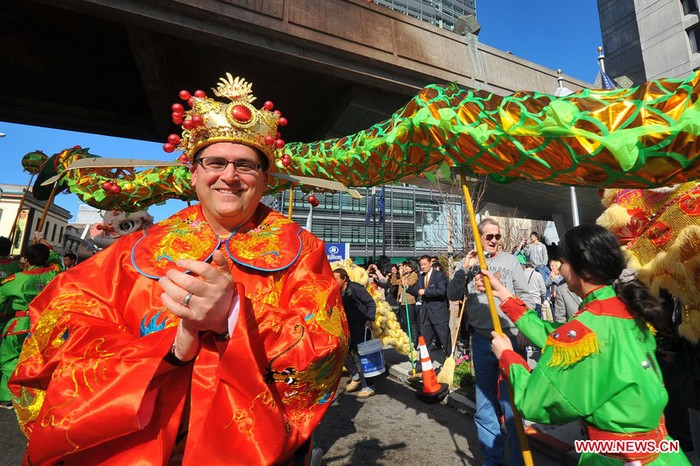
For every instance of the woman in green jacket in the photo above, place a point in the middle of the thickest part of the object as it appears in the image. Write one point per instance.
(600, 366)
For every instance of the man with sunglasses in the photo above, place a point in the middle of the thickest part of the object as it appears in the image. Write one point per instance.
(216, 336)
(508, 269)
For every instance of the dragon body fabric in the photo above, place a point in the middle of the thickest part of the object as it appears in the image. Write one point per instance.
(641, 137)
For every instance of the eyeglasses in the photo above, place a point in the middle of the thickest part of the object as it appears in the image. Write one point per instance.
(490, 236)
(219, 164)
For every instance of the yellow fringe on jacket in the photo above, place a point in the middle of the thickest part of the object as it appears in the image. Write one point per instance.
(568, 353)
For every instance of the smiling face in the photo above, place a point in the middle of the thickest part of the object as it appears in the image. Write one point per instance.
(490, 238)
(229, 198)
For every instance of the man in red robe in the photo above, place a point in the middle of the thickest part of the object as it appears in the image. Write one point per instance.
(215, 337)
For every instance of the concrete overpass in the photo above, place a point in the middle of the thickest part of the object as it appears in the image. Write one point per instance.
(333, 67)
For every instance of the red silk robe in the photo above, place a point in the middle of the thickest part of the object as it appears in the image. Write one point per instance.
(92, 386)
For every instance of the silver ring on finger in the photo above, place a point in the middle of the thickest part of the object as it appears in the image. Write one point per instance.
(188, 298)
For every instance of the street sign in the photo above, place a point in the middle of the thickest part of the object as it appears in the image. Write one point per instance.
(337, 251)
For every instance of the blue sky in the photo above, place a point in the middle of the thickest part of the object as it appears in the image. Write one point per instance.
(537, 30)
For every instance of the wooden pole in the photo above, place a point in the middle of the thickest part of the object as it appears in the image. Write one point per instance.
(291, 202)
(40, 227)
(527, 453)
(19, 209)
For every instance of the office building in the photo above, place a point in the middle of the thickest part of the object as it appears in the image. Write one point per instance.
(649, 40)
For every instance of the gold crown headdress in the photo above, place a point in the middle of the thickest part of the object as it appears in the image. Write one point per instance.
(210, 121)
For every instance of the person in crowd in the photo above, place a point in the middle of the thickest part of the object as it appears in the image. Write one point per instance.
(492, 397)
(383, 280)
(69, 260)
(16, 292)
(434, 310)
(536, 252)
(435, 263)
(360, 310)
(599, 367)
(536, 286)
(8, 265)
(216, 335)
(407, 278)
(679, 361)
(566, 303)
(555, 279)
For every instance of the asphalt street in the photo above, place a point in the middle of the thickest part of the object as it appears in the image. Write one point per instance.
(393, 427)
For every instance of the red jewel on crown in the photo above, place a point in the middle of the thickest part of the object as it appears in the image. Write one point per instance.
(241, 113)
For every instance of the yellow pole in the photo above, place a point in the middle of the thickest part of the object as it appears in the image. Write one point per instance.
(19, 209)
(527, 453)
(291, 202)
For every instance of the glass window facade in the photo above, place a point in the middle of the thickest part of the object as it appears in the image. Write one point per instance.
(417, 221)
(442, 13)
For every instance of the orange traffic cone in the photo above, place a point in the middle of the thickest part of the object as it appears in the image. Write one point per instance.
(432, 391)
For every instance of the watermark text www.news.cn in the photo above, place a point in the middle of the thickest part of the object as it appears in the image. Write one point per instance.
(626, 446)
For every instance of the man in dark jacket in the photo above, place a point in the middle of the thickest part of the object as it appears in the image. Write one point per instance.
(434, 309)
(360, 310)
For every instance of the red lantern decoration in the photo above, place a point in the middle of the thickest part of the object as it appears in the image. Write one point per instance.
(184, 95)
(282, 121)
(168, 147)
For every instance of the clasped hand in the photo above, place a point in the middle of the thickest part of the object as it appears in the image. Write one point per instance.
(211, 287)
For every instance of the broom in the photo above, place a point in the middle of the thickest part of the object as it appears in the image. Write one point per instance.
(410, 337)
(447, 373)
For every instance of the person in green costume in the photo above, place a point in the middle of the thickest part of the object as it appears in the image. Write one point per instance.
(16, 292)
(600, 366)
(8, 266)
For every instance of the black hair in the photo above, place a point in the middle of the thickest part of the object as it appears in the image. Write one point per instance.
(37, 254)
(71, 255)
(5, 246)
(595, 255)
(343, 274)
(536, 235)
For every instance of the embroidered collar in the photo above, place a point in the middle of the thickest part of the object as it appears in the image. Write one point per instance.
(267, 242)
